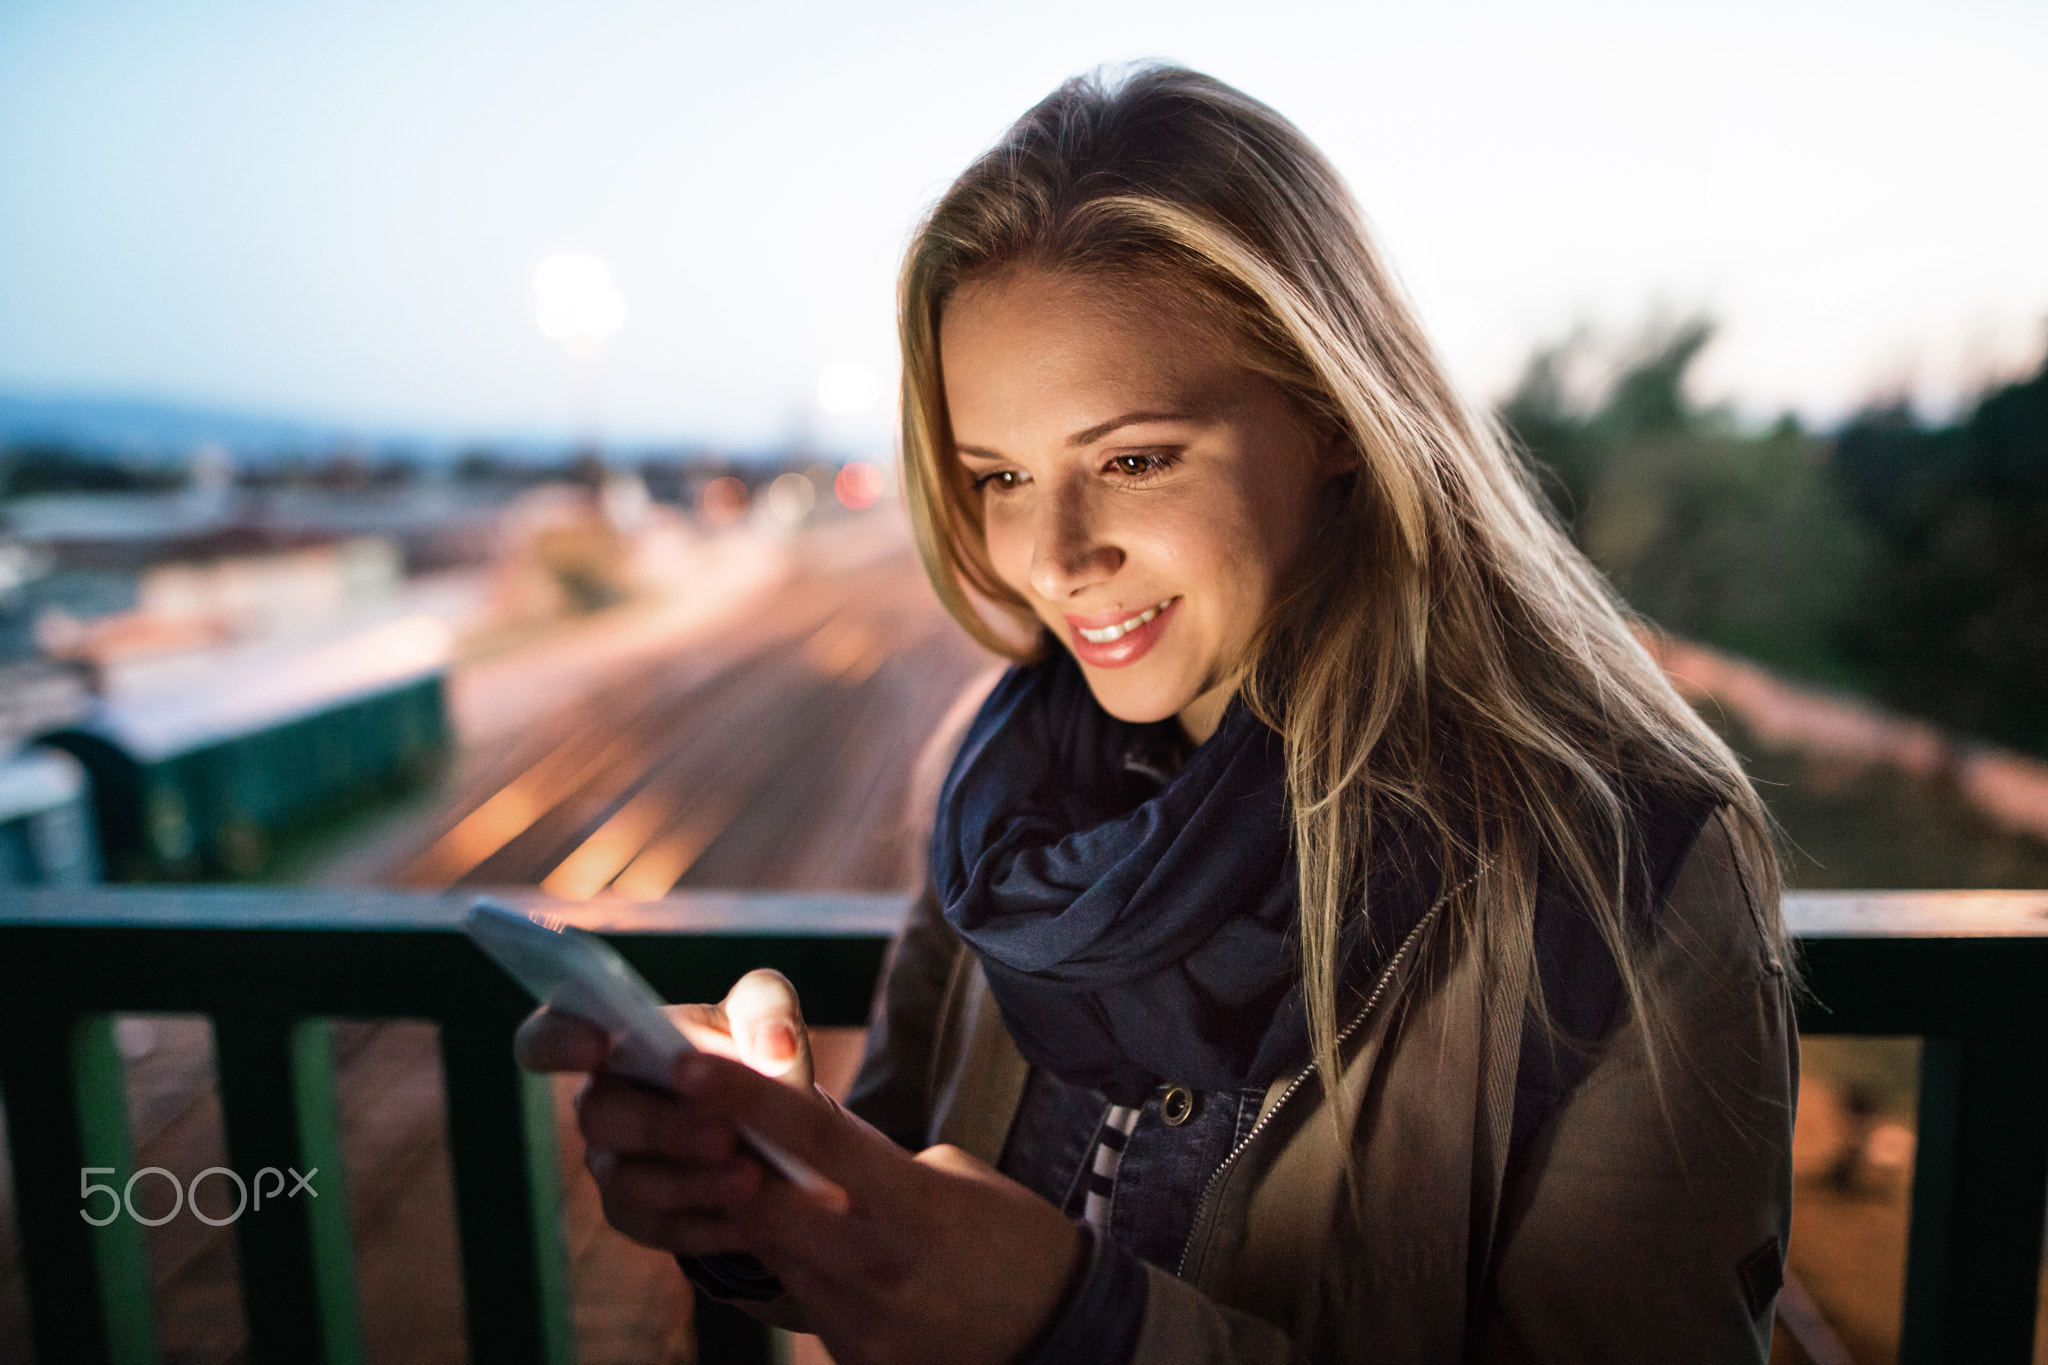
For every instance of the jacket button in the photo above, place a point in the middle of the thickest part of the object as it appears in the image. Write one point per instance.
(1176, 1105)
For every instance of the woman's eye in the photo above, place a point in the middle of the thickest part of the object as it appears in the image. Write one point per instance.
(1139, 465)
(1001, 481)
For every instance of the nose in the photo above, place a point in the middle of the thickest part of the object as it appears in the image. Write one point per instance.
(1071, 550)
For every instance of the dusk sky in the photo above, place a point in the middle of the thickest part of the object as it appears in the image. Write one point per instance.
(336, 212)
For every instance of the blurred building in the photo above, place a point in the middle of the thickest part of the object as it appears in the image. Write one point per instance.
(46, 826)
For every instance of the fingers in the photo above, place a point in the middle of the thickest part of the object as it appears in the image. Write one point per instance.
(647, 1188)
(661, 1205)
(760, 1023)
(767, 1023)
(706, 1028)
(802, 1123)
(621, 1117)
(552, 1041)
(729, 1205)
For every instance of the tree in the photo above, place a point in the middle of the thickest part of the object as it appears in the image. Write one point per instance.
(1736, 538)
(1953, 621)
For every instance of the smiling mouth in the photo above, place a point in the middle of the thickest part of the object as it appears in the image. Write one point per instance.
(1122, 628)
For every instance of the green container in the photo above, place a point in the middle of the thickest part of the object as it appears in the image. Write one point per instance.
(212, 803)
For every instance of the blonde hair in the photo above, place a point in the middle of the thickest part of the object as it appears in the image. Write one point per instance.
(1469, 672)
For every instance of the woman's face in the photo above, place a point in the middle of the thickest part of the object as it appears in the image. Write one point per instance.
(1142, 490)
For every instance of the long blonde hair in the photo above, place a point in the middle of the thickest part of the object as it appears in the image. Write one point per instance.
(1468, 670)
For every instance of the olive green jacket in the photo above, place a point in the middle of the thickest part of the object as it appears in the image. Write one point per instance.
(1647, 1223)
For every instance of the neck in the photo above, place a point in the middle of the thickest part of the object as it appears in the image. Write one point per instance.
(1202, 715)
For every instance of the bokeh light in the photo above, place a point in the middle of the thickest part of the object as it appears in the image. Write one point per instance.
(858, 485)
(791, 497)
(576, 299)
(722, 501)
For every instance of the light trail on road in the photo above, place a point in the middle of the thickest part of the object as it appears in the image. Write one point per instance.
(777, 754)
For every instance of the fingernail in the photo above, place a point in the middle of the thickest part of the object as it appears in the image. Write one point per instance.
(776, 1041)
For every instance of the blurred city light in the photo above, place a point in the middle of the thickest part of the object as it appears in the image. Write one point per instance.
(791, 497)
(625, 501)
(576, 299)
(847, 388)
(722, 501)
(858, 485)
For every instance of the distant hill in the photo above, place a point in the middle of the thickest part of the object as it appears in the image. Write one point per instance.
(144, 427)
(141, 431)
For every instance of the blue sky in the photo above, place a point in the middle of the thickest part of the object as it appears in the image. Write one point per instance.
(335, 211)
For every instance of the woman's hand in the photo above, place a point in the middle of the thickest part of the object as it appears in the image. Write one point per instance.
(631, 1131)
(628, 1128)
(935, 1258)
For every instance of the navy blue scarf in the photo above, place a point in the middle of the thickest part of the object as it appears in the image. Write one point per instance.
(1135, 922)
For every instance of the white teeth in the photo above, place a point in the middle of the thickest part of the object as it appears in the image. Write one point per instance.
(1123, 628)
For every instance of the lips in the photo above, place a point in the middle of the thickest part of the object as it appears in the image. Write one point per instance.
(1118, 639)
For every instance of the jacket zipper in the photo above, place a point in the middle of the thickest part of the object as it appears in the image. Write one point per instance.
(1343, 1036)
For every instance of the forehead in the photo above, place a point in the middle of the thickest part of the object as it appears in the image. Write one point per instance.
(1031, 350)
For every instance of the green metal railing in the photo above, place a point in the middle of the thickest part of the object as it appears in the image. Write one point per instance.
(1966, 971)
(270, 968)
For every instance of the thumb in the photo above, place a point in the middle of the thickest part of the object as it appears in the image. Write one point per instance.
(767, 1025)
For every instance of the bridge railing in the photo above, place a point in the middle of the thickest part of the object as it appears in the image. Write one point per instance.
(1966, 971)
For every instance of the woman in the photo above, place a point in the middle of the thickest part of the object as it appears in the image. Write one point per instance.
(1340, 943)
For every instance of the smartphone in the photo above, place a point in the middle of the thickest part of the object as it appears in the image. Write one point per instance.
(577, 973)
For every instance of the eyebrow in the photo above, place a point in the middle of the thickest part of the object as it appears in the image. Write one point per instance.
(1092, 434)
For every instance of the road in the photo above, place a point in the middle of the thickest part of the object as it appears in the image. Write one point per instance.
(777, 751)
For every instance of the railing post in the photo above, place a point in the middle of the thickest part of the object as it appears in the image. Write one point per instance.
(88, 1287)
(332, 1220)
(297, 1249)
(1980, 1187)
(508, 1195)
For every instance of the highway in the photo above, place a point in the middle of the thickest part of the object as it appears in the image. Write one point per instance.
(776, 753)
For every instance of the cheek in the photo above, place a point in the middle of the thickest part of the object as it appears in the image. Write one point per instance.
(1008, 543)
(1220, 557)
(1266, 537)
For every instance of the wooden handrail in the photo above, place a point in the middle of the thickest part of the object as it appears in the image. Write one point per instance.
(1968, 971)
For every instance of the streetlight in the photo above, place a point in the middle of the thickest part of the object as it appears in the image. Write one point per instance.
(578, 304)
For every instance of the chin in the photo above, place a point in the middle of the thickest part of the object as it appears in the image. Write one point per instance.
(1131, 701)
